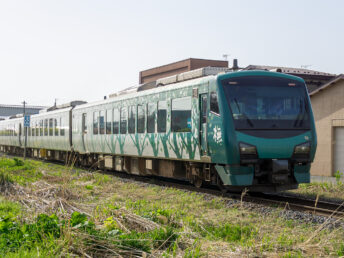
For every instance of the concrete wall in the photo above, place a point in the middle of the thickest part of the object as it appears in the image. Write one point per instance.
(328, 109)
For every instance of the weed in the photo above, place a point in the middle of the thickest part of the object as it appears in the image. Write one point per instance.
(17, 170)
(340, 251)
(89, 187)
(194, 251)
(14, 236)
(9, 209)
(338, 175)
(227, 232)
(163, 237)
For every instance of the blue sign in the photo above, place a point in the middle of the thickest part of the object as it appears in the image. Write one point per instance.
(26, 121)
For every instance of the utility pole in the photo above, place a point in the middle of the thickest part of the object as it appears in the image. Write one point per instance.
(25, 131)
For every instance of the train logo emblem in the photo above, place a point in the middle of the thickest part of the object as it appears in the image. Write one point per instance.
(217, 134)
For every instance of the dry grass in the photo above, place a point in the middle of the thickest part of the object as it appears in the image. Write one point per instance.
(205, 225)
(322, 190)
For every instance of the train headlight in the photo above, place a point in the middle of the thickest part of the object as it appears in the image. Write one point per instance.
(247, 149)
(303, 148)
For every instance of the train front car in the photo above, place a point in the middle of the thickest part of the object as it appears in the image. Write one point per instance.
(267, 131)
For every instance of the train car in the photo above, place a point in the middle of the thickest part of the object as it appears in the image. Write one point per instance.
(248, 129)
(49, 134)
(236, 130)
(11, 135)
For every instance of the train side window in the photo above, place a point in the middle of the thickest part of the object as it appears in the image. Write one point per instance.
(108, 121)
(62, 129)
(115, 120)
(56, 127)
(123, 124)
(41, 127)
(102, 122)
(32, 130)
(151, 110)
(162, 114)
(28, 131)
(140, 119)
(51, 127)
(95, 122)
(37, 129)
(45, 127)
(131, 119)
(214, 105)
(181, 115)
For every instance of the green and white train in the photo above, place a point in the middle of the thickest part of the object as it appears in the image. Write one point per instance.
(246, 129)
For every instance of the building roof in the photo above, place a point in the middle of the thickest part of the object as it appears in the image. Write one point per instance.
(21, 106)
(290, 70)
(174, 68)
(314, 79)
(10, 110)
(328, 84)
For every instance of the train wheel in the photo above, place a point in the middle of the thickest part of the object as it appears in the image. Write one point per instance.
(222, 187)
(198, 182)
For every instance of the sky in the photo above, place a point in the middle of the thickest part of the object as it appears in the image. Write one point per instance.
(84, 50)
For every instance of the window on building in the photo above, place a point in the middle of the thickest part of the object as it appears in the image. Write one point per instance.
(62, 128)
(102, 122)
(162, 114)
(108, 121)
(95, 122)
(140, 119)
(214, 105)
(131, 119)
(151, 111)
(45, 127)
(115, 119)
(181, 115)
(124, 115)
(56, 127)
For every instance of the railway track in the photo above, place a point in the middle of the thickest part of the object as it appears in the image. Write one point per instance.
(315, 207)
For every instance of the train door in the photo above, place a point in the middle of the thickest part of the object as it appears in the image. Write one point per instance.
(203, 123)
(84, 131)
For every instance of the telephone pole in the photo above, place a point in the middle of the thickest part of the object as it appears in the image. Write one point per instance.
(25, 131)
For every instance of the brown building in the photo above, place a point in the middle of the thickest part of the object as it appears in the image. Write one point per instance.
(328, 108)
(178, 67)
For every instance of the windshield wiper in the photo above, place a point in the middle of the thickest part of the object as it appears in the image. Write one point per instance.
(248, 120)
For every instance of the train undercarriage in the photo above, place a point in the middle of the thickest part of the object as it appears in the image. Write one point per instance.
(197, 173)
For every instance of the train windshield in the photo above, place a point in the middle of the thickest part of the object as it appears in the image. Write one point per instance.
(264, 102)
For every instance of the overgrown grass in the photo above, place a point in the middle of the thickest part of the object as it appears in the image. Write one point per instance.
(321, 189)
(19, 171)
(187, 224)
(46, 232)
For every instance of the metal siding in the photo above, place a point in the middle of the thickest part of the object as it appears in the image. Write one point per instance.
(338, 159)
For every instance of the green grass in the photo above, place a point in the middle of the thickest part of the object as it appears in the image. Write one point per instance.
(19, 171)
(321, 189)
(186, 224)
(8, 208)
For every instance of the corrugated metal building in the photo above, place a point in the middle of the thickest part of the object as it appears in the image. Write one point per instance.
(10, 110)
